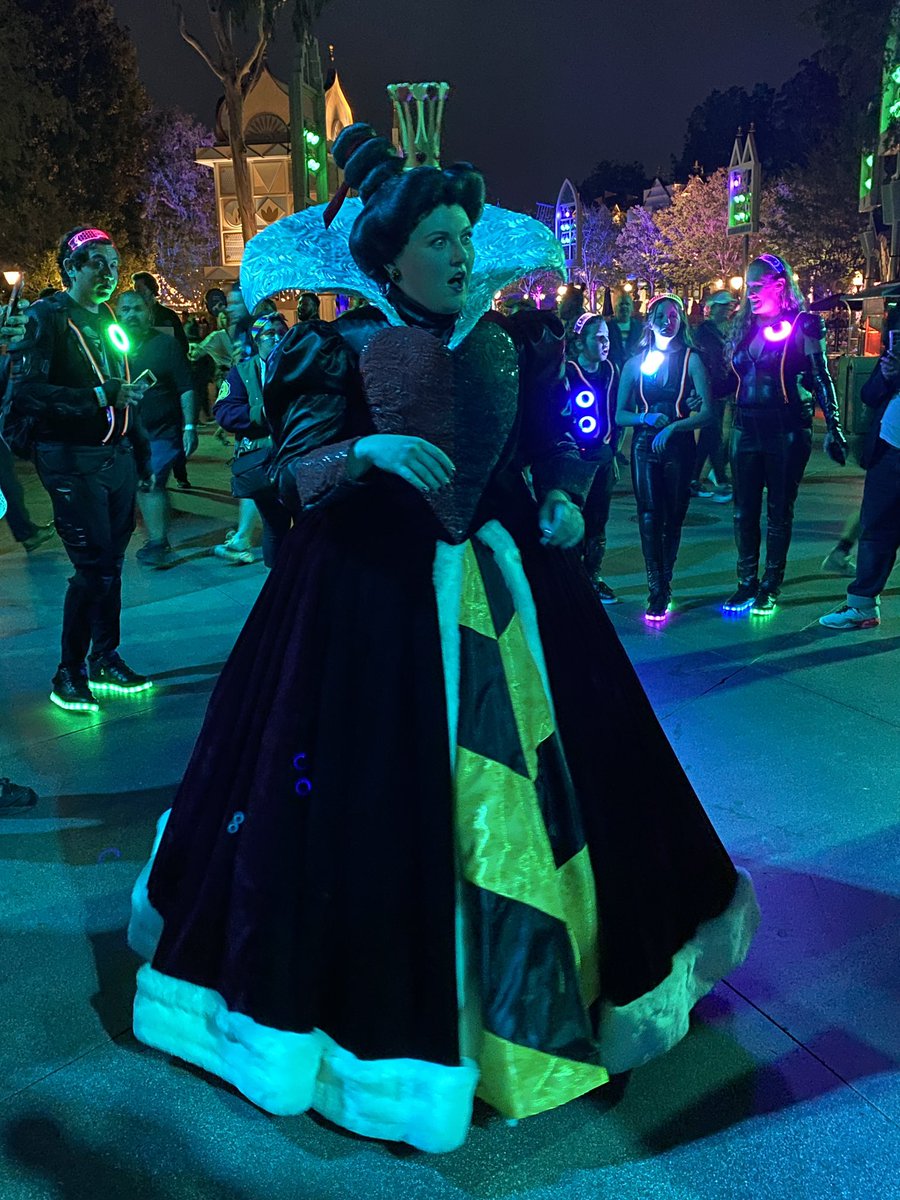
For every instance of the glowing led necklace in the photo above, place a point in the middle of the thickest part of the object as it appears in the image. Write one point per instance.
(655, 358)
(110, 411)
(118, 337)
(777, 333)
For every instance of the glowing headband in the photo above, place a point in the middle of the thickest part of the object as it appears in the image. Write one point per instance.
(666, 296)
(771, 260)
(87, 235)
(583, 320)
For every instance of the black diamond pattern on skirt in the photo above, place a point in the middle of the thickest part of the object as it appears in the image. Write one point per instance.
(559, 805)
(499, 600)
(530, 988)
(487, 723)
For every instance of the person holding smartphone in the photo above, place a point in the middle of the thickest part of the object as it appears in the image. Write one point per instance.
(169, 414)
(76, 406)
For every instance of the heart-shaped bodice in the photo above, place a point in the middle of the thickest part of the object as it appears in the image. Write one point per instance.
(464, 401)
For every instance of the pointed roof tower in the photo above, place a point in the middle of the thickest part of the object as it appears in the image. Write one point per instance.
(338, 114)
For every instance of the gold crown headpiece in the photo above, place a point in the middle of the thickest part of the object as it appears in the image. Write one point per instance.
(420, 116)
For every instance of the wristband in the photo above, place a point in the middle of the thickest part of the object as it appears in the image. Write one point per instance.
(101, 397)
(643, 418)
(189, 427)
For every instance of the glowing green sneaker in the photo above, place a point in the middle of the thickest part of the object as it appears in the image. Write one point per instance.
(71, 691)
(111, 674)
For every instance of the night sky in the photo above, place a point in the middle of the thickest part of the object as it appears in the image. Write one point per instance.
(542, 88)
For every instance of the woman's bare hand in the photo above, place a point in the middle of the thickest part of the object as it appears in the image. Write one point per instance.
(414, 459)
(560, 521)
(656, 420)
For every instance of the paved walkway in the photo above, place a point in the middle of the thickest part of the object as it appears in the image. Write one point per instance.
(788, 1085)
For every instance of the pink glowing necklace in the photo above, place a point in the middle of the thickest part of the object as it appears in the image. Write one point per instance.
(779, 332)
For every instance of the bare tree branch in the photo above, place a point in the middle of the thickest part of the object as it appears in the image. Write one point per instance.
(194, 43)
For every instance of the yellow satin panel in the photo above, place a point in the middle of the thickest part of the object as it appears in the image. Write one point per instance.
(579, 904)
(520, 1082)
(505, 849)
(475, 612)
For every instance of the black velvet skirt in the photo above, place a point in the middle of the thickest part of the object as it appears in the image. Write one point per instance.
(309, 875)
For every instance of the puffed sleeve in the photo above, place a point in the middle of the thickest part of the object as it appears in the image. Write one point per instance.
(546, 443)
(309, 383)
(812, 326)
(231, 410)
(817, 377)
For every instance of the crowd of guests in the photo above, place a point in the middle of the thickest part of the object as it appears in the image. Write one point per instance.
(107, 402)
(737, 392)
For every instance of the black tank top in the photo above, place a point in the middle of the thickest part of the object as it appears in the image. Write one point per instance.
(667, 390)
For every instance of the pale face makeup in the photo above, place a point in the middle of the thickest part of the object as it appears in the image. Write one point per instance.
(94, 282)
(766, 291)
(435, 265)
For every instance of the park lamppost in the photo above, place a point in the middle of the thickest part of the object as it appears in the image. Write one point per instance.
(12, 277)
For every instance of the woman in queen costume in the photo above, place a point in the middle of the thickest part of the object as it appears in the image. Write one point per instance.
(432, 842)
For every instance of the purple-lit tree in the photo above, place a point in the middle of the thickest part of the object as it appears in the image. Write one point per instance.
(641, 248)
(598, 251)
(179, 201)
(538, 285)
(694, 226)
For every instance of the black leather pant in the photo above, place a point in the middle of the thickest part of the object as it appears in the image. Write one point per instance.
(662, 489)
(765, 455)
(596, 509)
(92, 489)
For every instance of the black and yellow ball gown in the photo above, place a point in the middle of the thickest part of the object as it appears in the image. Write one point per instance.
(432, 841)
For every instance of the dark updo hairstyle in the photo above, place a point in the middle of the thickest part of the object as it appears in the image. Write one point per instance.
(394, 200)
(80, 255)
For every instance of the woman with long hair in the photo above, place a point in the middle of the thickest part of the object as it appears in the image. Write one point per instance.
(778, 355)
(432, 837)
(657, 384)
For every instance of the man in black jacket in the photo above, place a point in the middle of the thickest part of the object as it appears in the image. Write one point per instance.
(879, 538)
(72, 393)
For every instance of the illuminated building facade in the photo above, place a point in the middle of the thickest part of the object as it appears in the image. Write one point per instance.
(268, 139)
